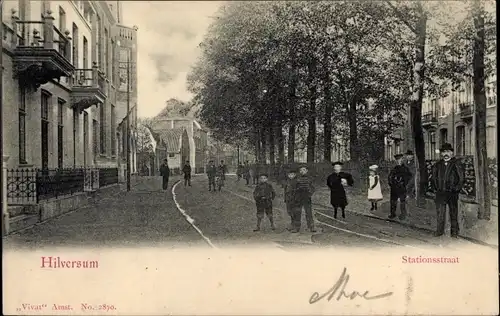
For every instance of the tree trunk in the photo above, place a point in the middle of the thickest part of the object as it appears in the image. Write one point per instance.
(327, 153)
(257, 147)
(263, 146)
(272, 146)
(311, 118)
(354, 147)
(291, 142)
(483, 191)
(281, 144)
(416, 105)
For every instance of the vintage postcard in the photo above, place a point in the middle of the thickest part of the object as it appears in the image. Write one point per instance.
(249, 157)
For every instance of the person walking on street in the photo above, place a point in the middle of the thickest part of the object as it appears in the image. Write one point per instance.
(290, 188)
(399, 177)
(187, 173)
(165, 174)
(211, 173)
(336, 182)
(410, 163)
(374, 187)
(239, 172)
(246, 172)
(222, 170)
(264, 195)
(303, 195)
(448, 181)
(252, 173)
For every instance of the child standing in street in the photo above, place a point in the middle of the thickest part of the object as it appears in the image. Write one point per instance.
(290, 186)
(303, 195)
(264, 195)
(374, 188)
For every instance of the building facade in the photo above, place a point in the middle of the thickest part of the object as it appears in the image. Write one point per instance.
(61, 84)
(195, 146)
(451, 120)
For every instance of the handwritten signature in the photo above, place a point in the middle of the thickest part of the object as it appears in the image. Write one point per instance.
(339, 290)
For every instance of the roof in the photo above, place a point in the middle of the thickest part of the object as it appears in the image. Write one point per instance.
(172, 138)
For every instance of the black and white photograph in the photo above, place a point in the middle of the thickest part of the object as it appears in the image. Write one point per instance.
(249, 157)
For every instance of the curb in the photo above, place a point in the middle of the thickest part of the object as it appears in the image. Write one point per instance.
(420, 228)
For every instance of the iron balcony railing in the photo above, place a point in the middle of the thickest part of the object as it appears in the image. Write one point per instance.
(89, 78)
(429, 118)
(466, 109)
(43, 34)
(27, 186)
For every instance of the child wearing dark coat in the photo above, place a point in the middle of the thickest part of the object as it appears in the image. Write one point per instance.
(290, 187)
(264, 195)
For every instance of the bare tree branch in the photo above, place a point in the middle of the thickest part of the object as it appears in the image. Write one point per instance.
(401, 16)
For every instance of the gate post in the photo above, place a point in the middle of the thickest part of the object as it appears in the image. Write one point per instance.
(5, 210)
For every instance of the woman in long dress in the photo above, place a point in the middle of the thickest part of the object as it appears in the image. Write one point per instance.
(336, 182)
(374, 188)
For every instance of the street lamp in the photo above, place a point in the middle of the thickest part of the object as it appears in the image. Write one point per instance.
(128, 65)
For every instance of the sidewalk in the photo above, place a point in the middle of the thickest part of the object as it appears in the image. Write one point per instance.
(421, 218)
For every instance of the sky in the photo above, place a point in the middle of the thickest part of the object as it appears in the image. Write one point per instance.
(168, 36)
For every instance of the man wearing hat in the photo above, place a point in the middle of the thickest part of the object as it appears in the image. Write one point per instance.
(447, 180)
(303, 195)
(399, 177)
(410, 163)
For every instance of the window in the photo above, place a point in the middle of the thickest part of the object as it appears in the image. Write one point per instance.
(60, 134)
(95, 140)
(491, 141)
(98, 43)
(433, 106)
(432, 138)
(113, 134)
(460, 151)
(441, 109)
(62, 20)
(397, 146)
(171, 155)
(74, 42)
(102, 119)
(470, 143)
(22, 125)
(124, 141)
(106, 53)
(45, 100)
(113, 63)
(491, 94)
(85, 137)
(85, 53)
(443, 137)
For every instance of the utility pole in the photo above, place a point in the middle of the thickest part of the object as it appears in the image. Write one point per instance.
(128, 121)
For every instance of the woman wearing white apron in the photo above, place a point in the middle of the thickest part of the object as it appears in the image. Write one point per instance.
(374, 188)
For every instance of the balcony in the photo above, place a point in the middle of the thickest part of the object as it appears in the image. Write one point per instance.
(41, 51)
(88, 88)
(429, 120)
(466, 111)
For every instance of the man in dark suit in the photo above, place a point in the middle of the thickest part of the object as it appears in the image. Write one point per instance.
(399, 177)
(410, 164)
(165, 174)
(448, 180)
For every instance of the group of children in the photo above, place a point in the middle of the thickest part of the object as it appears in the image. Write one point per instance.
(298, 191)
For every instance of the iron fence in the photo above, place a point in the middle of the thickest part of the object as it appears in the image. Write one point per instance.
(27, 186)
(21, 186)
(58, 182)
(108, 176)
